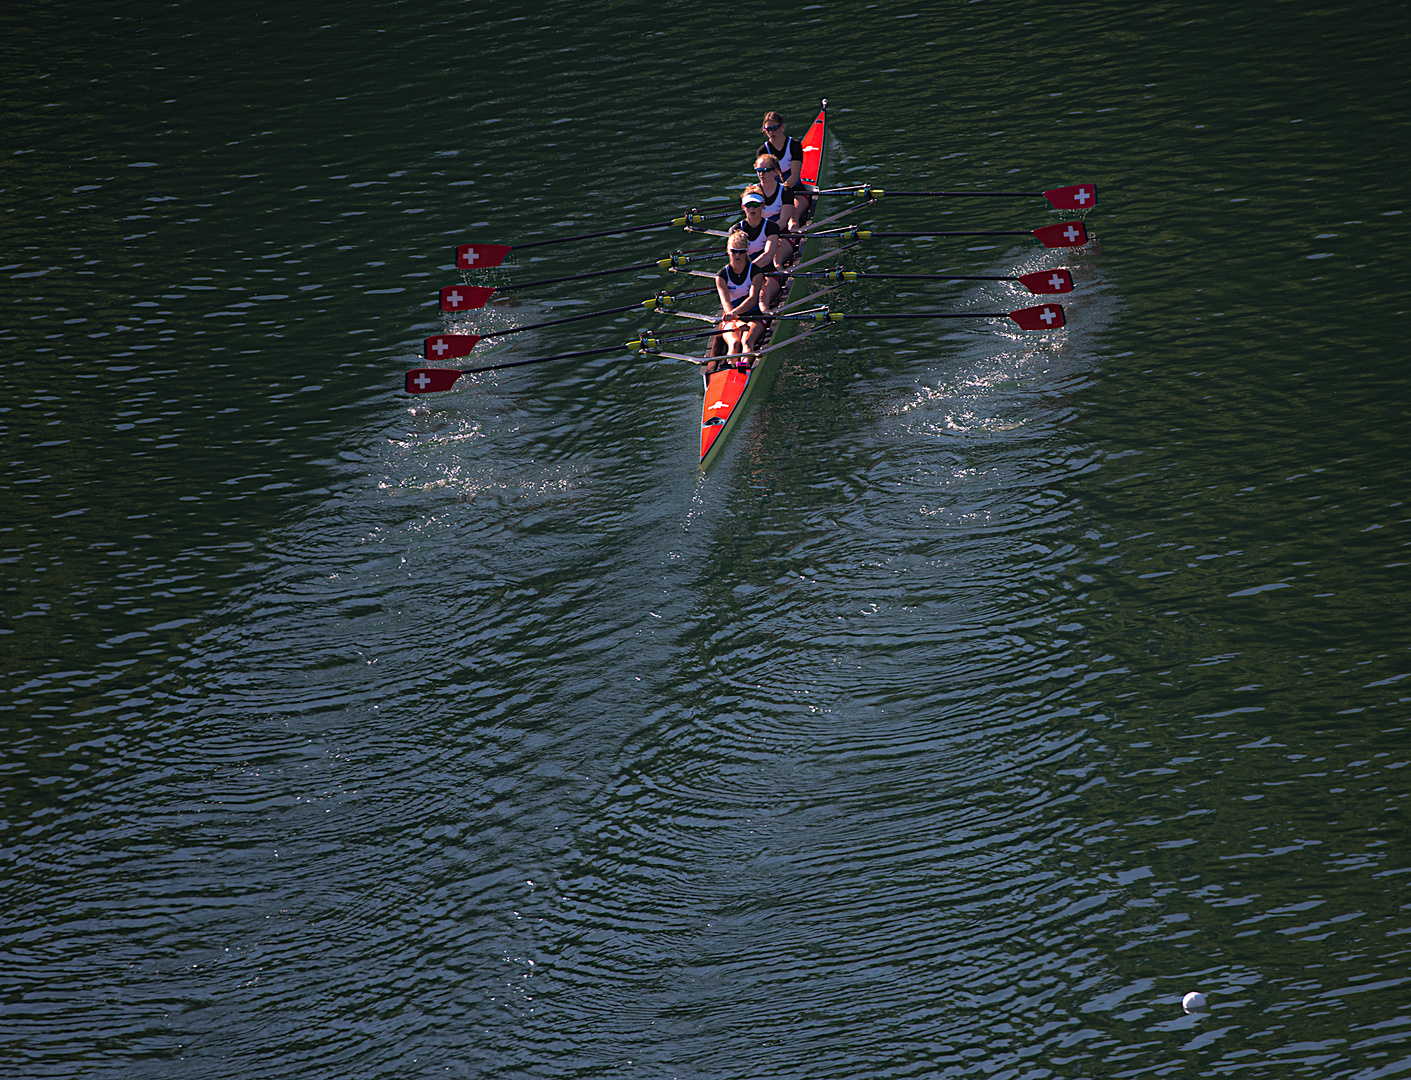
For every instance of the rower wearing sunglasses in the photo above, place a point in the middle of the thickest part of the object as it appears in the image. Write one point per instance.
(778, 199)
(768, 248)
(740, 284)
(789, 153)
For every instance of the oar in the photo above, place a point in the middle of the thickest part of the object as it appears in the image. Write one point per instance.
(1040, 283)
(468, 297)
(454, 346)
(1064, 234)
(489, 256)
(435, 380)
(1074, 197)
(1043, 317)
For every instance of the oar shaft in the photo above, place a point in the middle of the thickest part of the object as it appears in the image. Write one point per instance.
(972, 194)
(848, 275)
(661, 264)
(560, 322)
(863, 189)
(615, 232)
(544, 359)
(577, 277)
(984, 232)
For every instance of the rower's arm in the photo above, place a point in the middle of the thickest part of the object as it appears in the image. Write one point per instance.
(724, 296)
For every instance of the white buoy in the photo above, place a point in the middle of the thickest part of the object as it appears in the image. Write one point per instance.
(1193, 1002)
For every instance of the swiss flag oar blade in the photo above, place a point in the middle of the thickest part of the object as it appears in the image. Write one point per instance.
(1045, 281)
(448, 346)
(1064, 234)
(1077, 197)
(431, 380)
(1043, 317)
(481, 256)
(465, 297)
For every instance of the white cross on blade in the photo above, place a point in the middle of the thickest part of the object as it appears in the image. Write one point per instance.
(440, 347)
(1070, 232)
(1056, 281)
(455, 299)
(1082, 197)
(1048, 316)
(422, 382)
(471, 255)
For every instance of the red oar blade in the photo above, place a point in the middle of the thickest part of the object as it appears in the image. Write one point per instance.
(430, 380)
(1077, 197)
(481, 256)
(1043, 317)
(465, 297)
(448, 346)
(1044, 282)
(1064, 234)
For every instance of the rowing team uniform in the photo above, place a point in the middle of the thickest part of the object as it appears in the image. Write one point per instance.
(758, 238)
(739, 288)
(791, 154)
(773, 207)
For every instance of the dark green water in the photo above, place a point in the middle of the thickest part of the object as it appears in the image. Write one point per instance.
(992, 692)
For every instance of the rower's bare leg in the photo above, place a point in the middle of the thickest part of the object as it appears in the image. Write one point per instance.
(771, 289)
(801, 205)
(756, 335)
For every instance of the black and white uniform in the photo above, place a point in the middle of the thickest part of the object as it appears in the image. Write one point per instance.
(760, 237)
(790, 160)
(739, 288)
(772, 207)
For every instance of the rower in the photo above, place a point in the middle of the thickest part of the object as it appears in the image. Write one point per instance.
(778, 199)
(789, 153)
(740, 284)
(768, 248)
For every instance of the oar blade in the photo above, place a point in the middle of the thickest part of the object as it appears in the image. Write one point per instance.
(481, 256)
(430, 380)
(1045, 282)
(448, 346)
(1065, 234)
(465, 297)
(1075, 197)
(1042, 317)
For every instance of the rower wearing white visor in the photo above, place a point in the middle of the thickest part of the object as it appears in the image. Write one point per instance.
(740, 285)
(768, 248)
(789, 153)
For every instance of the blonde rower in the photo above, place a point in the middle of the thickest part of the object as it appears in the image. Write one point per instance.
(740, 284)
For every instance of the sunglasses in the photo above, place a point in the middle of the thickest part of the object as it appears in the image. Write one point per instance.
(752, 206)
(765, 172)
(772, 127)
(738, 251)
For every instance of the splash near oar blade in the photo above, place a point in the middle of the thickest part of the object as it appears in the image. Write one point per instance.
(481, 256)
(1044, 282)
(465, 297)
(1043, 317)
(448, 346)
(431, 380)
(1064, 234)
(1075, 197)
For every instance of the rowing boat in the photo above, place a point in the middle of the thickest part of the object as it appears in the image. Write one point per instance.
(727, 379)
(727, 388)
